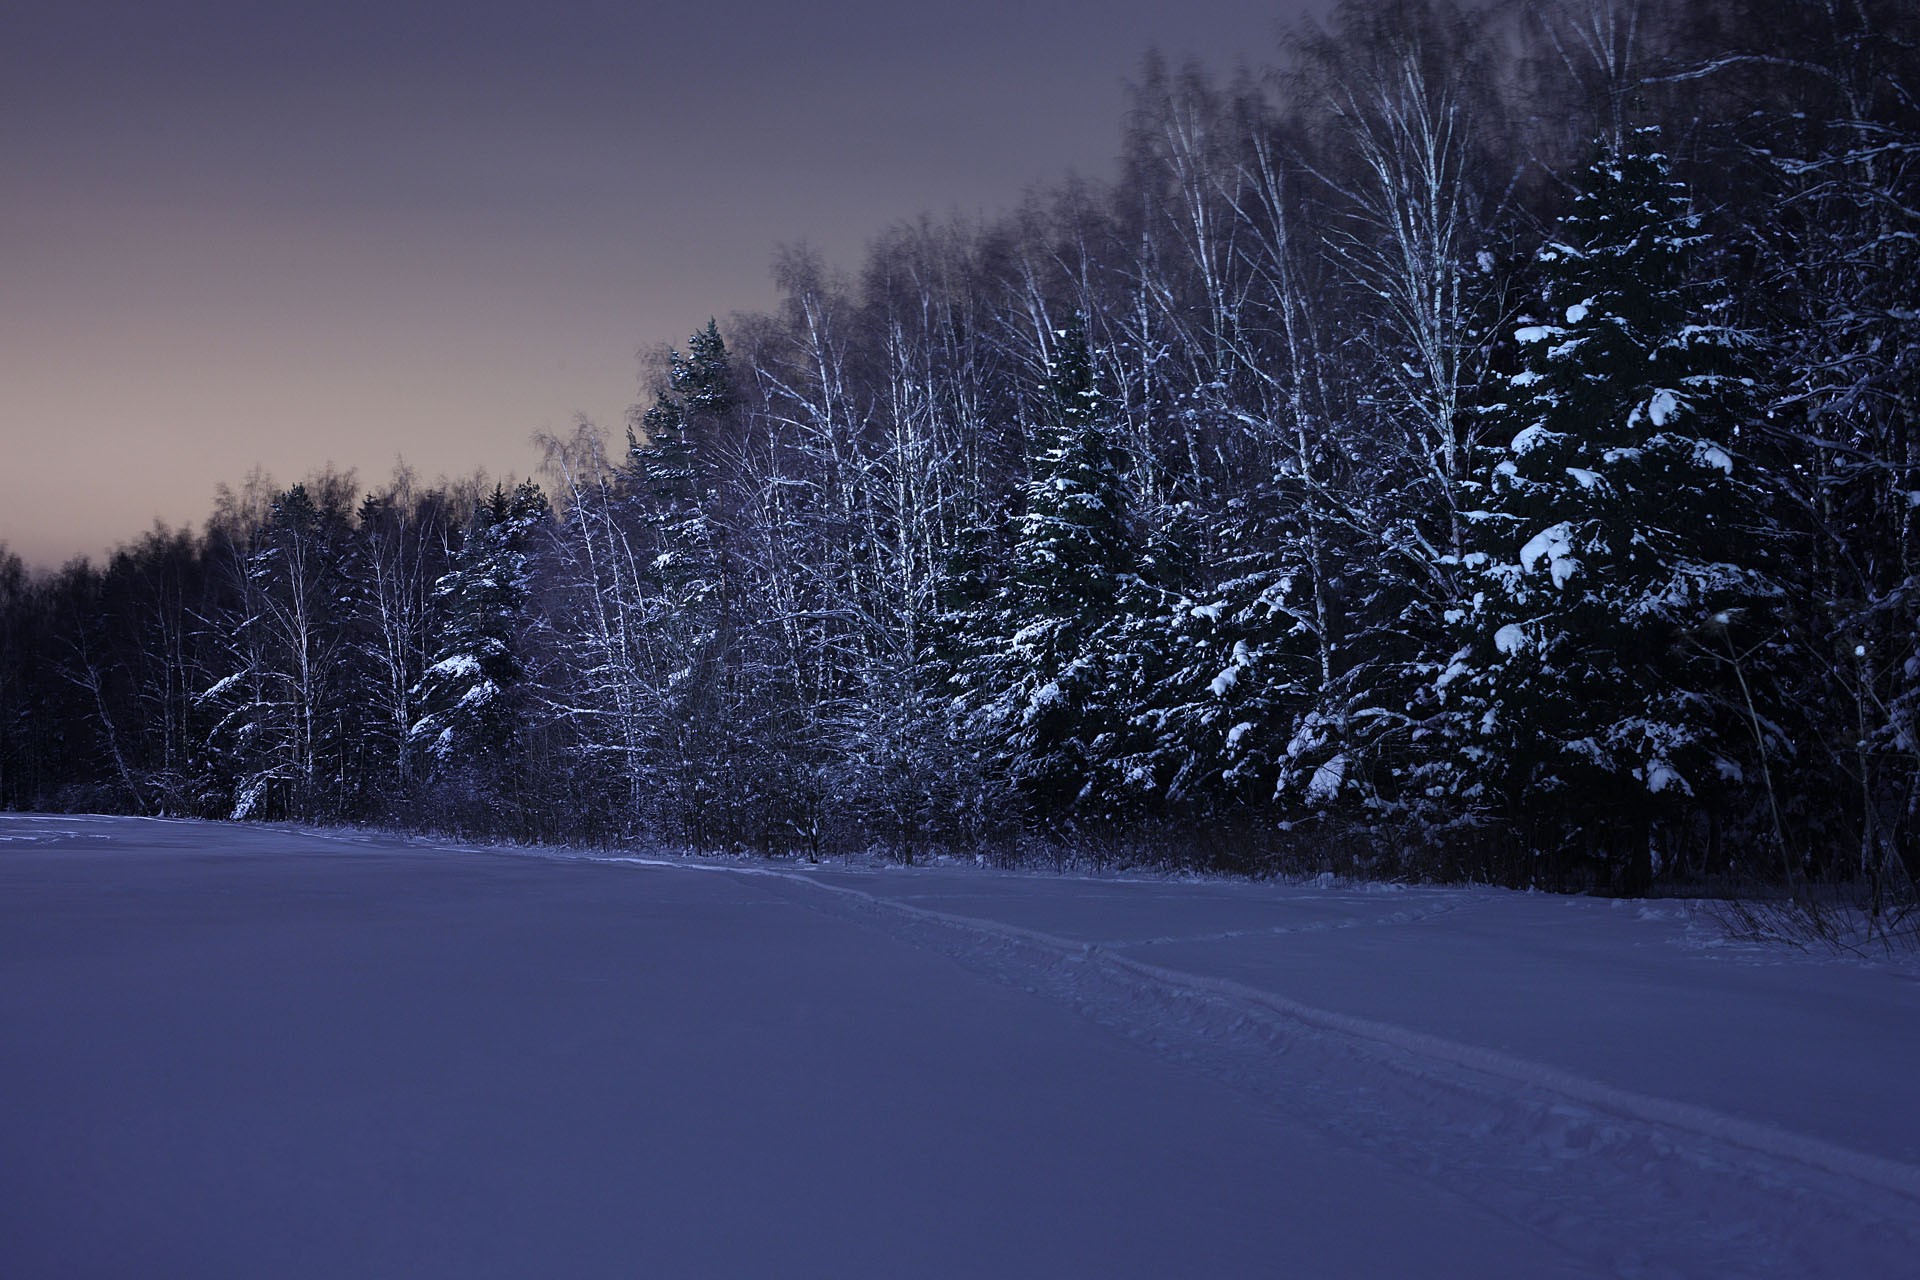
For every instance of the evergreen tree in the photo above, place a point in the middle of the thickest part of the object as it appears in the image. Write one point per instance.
(1598, 689)
(703, 378)
(1044, 678)
(1244, 681)
(472, 690)
(670, 478)
(683, 612)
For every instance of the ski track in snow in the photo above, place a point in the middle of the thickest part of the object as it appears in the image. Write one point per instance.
(1410, 916)
(1569, 1157)
(1276, 931)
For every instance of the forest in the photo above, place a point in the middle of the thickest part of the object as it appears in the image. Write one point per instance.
(1480, 444)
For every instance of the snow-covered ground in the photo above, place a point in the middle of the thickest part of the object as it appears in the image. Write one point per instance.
(246, 1051)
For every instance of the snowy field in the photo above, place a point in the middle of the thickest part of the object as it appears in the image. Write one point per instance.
(247, 1051)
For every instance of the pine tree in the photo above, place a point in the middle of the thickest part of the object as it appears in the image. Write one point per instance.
(471, 692)
(1595, 693)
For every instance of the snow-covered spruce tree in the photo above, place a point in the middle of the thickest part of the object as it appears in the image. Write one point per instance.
(1604, 694)
(1179, 666)
(1041, 681)
(472, 691)
(682, 614)
(1216, 654)
(962, 638)
(666, 477)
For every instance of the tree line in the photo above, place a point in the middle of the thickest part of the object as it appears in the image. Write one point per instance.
(1480, 445)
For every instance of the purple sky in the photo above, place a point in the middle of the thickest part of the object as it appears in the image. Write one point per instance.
(238, 232)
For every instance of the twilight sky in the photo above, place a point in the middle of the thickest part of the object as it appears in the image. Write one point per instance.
(239, 231)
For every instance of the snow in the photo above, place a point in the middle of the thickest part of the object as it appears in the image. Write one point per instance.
(1585, 478)
(1555, 545)
(1512, 638)
(1708, 454)
(1045, 698)
(456, 666)
(1662, 407)
(1661, 775)
(249, 796)
(1223, 684)
(479, 695)
(219, 687)
(1324, 786)
(1530, 438)
(244, 1050)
